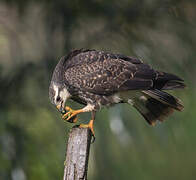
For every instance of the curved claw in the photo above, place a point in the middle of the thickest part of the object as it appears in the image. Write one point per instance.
(67, 112)
(90, 126)
(93, 140)
(74, 119)
(67, 115)
(70, 118)
(73, 113)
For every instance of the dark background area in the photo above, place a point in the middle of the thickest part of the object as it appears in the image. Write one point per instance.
(35, 34)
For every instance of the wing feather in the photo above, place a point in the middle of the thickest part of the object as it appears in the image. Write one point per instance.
(106, 74)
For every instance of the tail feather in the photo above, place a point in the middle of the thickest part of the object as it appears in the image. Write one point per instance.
(156, 105)
(165, 98)
(173, 85)
(167, 81)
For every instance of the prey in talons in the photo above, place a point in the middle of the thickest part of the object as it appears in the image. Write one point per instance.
(67, 114)
(71, 113)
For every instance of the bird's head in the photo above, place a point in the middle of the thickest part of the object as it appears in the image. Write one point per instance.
(58, 96)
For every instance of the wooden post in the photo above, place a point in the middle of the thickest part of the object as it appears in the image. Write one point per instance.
(77, 155)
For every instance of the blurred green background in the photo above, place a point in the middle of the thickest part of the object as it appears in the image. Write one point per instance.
(34, 34)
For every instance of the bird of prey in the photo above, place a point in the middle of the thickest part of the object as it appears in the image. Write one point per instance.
(97, 78)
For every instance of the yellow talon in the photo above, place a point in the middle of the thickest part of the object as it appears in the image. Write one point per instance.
(90, 126)
(71, 114)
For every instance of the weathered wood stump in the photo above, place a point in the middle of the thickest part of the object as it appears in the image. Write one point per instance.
(77, 155)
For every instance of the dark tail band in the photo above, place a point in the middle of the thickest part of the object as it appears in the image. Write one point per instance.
(157, 105)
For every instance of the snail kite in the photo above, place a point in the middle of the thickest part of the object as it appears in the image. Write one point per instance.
(97, 78)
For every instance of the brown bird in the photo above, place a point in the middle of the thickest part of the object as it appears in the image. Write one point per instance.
(97, 78)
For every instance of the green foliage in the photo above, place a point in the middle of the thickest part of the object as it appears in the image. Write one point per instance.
(35, 34)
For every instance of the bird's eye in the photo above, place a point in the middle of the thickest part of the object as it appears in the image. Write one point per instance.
(58, 98)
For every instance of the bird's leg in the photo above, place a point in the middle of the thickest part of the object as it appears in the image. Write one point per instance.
(72, 113)
(90, 125)
(65, 111)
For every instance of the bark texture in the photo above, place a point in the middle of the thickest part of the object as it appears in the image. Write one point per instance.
(77, 155)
